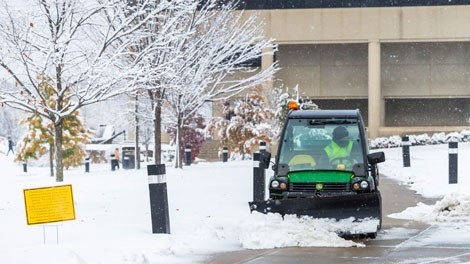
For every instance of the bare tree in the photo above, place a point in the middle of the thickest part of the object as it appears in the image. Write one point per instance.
(217, 61)
(170, 26)
(209, 60)
(81, 46)
(10, 120)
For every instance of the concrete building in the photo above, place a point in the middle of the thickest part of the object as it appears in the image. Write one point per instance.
(405, 64)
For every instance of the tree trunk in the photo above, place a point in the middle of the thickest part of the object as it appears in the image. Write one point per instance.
(137, 149)
(51, 158)
(180, 143)
(158, 130)
(137, 126)
(58, 151)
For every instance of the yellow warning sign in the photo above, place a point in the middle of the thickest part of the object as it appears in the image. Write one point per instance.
(49, 204)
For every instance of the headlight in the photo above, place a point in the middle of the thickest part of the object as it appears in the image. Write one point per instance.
(283, 186)
(274, 184)
(360, 185)
(364, 184)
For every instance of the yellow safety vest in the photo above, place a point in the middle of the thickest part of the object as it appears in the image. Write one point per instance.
(334, 151)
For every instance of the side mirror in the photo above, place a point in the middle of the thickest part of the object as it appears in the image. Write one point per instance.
(376, 157)
(359, 169)
(282, 169)
(265, 159)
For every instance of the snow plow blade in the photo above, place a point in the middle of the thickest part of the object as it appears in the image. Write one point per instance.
(359, 206)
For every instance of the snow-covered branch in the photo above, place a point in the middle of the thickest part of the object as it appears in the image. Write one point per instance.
(84, 51)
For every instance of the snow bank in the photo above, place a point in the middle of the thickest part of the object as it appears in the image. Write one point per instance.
(263, 231)
(454, 207)
(422, 139)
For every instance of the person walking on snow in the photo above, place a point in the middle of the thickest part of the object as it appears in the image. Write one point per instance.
(116, 158)
(10, 146)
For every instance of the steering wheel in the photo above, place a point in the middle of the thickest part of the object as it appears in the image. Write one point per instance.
(345, 161)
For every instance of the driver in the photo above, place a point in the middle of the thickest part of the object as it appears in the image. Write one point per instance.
(340, 148)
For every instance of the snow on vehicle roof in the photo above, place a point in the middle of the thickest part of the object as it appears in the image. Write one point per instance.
(343, 113)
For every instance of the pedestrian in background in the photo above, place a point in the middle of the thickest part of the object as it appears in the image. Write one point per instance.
(10, 146)
(116, 158)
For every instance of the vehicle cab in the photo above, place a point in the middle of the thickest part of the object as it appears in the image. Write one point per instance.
(304, 164)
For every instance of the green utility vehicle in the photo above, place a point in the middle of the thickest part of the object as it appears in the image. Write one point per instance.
(314, 177)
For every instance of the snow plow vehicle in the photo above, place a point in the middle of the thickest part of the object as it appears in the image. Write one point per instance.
(323, 169)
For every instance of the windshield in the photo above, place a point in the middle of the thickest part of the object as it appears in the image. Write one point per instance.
(322, 144)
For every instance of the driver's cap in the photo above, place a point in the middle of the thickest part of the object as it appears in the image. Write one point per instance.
(340, 133)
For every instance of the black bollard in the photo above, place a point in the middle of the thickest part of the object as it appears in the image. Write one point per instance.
(187, 155)
(224, 154)
(262, 146)
(453, 162)
(405, 143)
(258, 178)
(25, 167)
(158, 199)
(87, 165)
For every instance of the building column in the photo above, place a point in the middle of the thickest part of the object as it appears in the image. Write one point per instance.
(267, 59)
(376, 107)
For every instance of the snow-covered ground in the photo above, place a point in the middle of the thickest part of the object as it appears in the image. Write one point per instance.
(208, 206)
